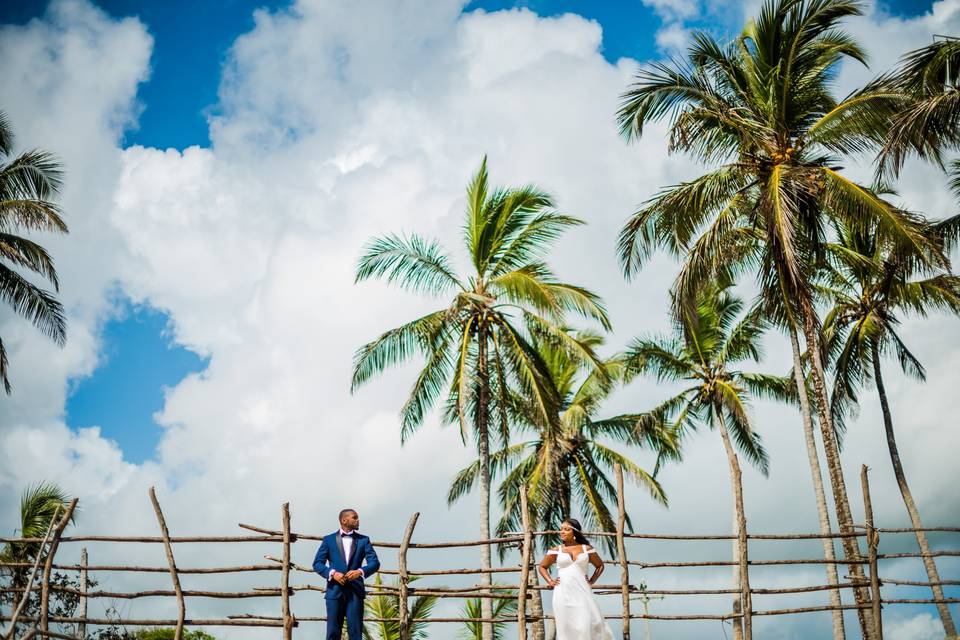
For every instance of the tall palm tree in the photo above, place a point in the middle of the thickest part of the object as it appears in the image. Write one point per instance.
(568, 458)
(762, 108)
(27, 184)
(701, 353)
(873, 288)
(387, 607)
(478, 344)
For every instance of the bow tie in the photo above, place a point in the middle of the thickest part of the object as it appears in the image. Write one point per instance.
(346, 535)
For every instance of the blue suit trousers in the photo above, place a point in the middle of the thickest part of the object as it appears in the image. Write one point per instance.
(348, 606)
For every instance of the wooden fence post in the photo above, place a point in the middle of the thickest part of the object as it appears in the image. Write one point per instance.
(524, 565)
(622, 551)
(181, 605)
(404, 578)
(288, 619)
(82, 626)
(873, 542)
(48, 565)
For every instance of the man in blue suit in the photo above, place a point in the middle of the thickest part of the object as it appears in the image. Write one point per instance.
(345, 558)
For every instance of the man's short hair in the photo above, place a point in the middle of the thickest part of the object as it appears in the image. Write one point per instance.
(344, 512)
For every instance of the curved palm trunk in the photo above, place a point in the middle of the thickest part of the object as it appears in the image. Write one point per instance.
(932, 575)
(850, 544)
(483, 443)
(742, 626)
(821, 496)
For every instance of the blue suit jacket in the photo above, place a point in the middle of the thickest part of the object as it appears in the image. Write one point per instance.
(330, 557)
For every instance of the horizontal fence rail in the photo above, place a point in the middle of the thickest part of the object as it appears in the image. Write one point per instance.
(523, 591)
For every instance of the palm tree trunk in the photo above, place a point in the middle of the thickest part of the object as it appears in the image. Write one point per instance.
(536, 609)
(821, 496)
(483, 443)
(742, 627)
(932, 575)
(850, 544)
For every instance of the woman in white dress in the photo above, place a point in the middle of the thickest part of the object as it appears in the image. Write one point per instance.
(576, 612)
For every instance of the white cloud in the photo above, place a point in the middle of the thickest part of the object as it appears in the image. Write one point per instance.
(337, 123)
(921, 627)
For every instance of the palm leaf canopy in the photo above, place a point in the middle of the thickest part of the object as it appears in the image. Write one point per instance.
(39, 504)
(480, 341)
(871, 288)
(28, 182)
(702, 357)
(762, 110)
(569, 459)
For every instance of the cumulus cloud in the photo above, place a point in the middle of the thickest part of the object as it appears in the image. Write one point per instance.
(337, 123)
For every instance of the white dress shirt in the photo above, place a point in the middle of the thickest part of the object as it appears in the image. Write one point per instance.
(346, 538)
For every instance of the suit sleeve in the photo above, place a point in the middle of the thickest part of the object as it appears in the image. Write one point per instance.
(372, 561)
(320, 560)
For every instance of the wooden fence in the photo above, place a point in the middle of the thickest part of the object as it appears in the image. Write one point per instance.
(524, 541)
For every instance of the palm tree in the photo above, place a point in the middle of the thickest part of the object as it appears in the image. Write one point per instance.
(928, 123)
(567, 457)
(700, 355)
(501, 608)
(386, 608)
(762, 108)
(872, 288)
(39, 505)
(27, 183)
(478, 344)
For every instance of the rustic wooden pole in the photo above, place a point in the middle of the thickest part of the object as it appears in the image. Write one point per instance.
(82, 614)
(181, 605)
(524, 565)
(405, 578)
(622, 551)
(48, 565)
(288, 621)
(873, 542)
(33, 574)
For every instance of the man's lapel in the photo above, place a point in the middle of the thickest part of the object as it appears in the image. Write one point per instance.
(340, 547)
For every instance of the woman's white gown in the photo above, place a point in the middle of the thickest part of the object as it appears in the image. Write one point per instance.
(577, 614)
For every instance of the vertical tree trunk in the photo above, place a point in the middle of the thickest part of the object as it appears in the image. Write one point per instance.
(851, 545)
(932, 575)
(538, 628)
(742, 627)
(483, 444)
(821, 496)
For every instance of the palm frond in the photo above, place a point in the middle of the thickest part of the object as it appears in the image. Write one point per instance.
(419, 265)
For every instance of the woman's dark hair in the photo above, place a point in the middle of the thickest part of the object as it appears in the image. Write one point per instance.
(575, 525)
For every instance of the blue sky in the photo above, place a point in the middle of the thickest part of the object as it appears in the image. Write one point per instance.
(191, 40)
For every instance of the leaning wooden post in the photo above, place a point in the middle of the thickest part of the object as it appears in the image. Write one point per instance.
(524, 566)
(873, 543)
(48, 565)
(82, 625)
(404, 578)
(622, 551)
(181, 605)
(288, 621)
